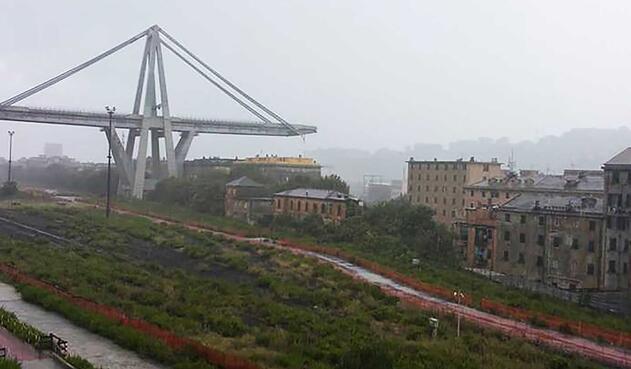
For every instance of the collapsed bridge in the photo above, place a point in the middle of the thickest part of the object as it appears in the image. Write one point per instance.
(155, 121)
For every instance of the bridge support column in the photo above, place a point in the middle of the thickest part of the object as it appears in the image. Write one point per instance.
(155, 155)
(181, 150)
(123, 161)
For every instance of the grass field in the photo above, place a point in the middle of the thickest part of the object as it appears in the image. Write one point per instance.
(275, 308)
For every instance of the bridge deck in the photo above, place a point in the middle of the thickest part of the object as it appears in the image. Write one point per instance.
(101, 120)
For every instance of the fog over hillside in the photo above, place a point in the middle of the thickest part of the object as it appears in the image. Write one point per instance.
(585, 148)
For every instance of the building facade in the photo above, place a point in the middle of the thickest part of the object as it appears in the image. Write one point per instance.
(440, 184)
(301, 202)
(245, 200)
(552, 239)
(615, 274)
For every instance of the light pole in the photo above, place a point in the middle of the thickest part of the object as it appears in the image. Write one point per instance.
(11, 133)
(110, 112)
(458, 295)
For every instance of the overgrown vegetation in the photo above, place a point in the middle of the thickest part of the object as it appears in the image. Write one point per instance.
(8, 363)
(374, 235)
(268, 305)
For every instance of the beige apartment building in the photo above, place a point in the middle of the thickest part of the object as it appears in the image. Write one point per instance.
(440, 184)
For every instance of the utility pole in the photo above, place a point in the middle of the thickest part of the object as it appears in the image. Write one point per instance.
(458, 295)
(11, 133)
(110, 112)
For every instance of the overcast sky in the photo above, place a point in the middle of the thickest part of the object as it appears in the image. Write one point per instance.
(369, 74)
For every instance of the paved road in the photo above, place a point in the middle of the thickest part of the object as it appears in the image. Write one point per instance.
(98, 350)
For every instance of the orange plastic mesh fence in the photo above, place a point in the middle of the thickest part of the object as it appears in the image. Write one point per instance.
(216, 357)
(578, 328)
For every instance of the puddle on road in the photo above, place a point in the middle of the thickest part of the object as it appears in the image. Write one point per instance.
(98, 350)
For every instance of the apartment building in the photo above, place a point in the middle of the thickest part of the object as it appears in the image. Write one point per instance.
(440, 184)
(300, 202)
(555, 239)
(617, 209)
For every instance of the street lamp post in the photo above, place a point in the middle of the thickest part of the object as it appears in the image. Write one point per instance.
(110, 112)
(11, 133)
(458, 295)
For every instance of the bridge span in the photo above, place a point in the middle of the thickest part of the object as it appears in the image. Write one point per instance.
(155, 122)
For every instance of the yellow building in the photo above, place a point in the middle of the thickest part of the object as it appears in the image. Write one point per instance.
(440, 184)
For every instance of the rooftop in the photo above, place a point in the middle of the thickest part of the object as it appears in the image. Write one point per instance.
(622, 158)
(571, 180)
(470, 161)
(555, 202)
(313, 193)
(243, 182)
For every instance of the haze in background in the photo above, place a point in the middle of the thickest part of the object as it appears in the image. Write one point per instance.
(369, 74)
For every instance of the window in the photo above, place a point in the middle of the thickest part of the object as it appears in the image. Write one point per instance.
(624, 268)
(427, 177)
(522, 219)
(426, 199)
(507, 195)
(507, 217)
(542, 220)
(539, 261)
(455, 177)
(590, 246)
(621, 223)
(592, 225)
(472, 193)
(612, 267)
(322, 209)
(435, 200)
(506, 236)
(339, 210)
(590, 269)
(613, 244)
(299, 205)
(485, 168)
(453, 213)
(575, 243)
(521, 260)
(626, 245)
(483, 193)
(453, 201)
(291, 205)
(306, 206)
(495, 194)
(454, 190)
(278, 204)
(444, 201)
(615, 177)
(444, 212)
(556, 241)
(522, 238)
(541, 240)
(427, 188)
(505, 255)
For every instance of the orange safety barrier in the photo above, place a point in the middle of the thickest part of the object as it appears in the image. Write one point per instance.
(578, 328)
(581, 329)
(213, 356)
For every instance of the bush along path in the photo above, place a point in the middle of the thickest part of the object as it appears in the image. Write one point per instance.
(40, 341)
(439, 300)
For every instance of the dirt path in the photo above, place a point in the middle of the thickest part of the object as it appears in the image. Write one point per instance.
(604, 353)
